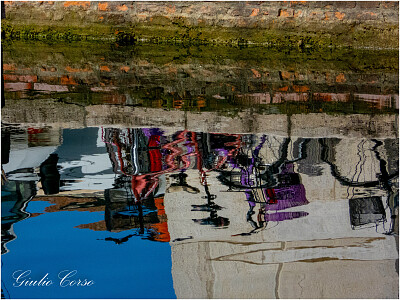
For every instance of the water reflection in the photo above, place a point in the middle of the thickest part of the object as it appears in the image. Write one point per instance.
(251, 173)
(266, 170)
(274, 186)
(212, 189)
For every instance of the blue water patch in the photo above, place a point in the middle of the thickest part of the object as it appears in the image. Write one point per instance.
(50, 243)
(37, 206)
(136, 212)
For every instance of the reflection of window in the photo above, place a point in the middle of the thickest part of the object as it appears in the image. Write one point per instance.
(288, 179)
(366, 210)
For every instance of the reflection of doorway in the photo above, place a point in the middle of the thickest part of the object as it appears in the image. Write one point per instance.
(274, 185)
(366, 210)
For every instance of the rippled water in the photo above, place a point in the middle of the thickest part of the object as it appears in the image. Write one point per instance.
(127, 179)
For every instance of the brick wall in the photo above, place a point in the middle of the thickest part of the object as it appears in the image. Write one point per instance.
(228, 14)
(359, 23)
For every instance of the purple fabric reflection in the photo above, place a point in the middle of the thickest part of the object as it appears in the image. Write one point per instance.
(222, 152)
(285, 215)
(287, 197)
(148, 132)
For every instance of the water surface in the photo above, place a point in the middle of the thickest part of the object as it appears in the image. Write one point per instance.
(179, 174)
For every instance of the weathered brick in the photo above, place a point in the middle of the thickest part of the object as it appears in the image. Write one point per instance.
(17, 86)
(339, 15)
(122, 7)
(78, 4)
(254, 12)
(21, 78)
(102, 6)
(286, 13)
(390, 4)
(125, 69)
(49, 87)
(367, 16)
(340, 78)
(285, 75)
(344, 4)
(298, 3)
(105, 68)
(328, 97)
(301, 16)
(68, 80)
(368, 4)
(170, 9)
(301, 88)
(9, 67)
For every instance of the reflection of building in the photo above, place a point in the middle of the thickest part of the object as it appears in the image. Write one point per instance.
(301, 258)
(29, 147)
(23, 150)
(180, 175)
(311, 162)
(379, 101)
(14, 197)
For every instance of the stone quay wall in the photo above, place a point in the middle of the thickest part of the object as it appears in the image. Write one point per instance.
(303, 24)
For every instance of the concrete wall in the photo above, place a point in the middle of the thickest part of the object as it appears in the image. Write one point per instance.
(48, 113)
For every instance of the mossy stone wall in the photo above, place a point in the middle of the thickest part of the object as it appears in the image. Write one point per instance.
(281, 24)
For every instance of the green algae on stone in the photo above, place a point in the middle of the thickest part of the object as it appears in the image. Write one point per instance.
(175, 31)
(80, 53)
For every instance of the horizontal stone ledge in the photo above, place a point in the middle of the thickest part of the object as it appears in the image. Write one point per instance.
(315, 125)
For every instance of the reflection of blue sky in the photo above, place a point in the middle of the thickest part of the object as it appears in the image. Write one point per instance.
(38, 206)
(49, 243)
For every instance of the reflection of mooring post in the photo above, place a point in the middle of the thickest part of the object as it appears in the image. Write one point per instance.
(141, 221)
(49, 175)
(3, 100)
(182, 184)
(209, 196)
(213, 208)
(289, 125)
(384, 179)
